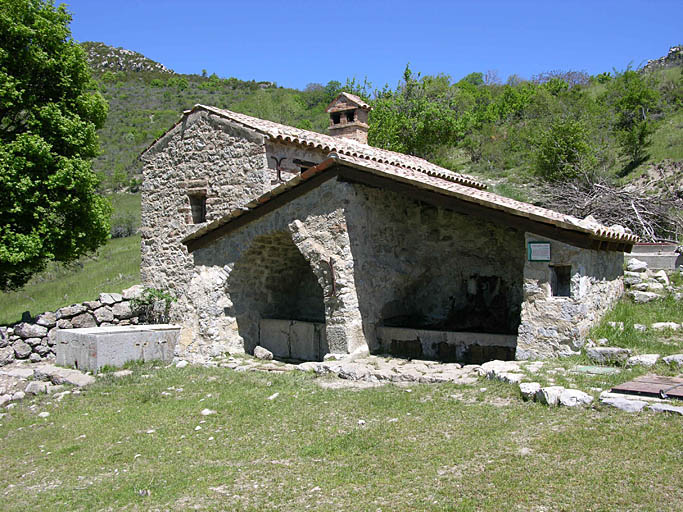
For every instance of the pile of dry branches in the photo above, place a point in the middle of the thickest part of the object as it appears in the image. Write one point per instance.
(654, 217)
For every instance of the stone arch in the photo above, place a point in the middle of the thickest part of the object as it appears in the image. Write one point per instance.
(277, 299)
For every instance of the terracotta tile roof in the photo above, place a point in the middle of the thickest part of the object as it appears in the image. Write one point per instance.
(422, 180)
(352, 98)
(490, 200)
(342, 146)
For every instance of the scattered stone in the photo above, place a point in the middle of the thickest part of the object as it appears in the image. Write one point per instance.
(19, 395)
(262, 353)
(207, 412)
(122, 373)
(636, 265)
(5, 399)
(662, 326)
(662, 277)
(675, 359)
(529, 389)
(361, 423)
(623, 404)
(574, 398)
(58, 375)
(181, 364)
(596, 370)
(656, 407)
(36, 387)
(43, 414)
(643, 297)
(640, 327)
(643, 360)
(616, 325)
(608, 354)
(549, 395)
(21, 349)
(273, 396)
(632, 280)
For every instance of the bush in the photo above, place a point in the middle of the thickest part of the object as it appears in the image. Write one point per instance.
(564, 152)
(153, 306)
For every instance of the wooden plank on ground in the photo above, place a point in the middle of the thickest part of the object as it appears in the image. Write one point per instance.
(652, 385)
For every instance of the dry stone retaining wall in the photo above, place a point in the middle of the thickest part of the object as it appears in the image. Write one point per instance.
(36, 340)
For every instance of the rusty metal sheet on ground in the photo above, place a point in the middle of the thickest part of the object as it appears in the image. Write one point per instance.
(652, 385)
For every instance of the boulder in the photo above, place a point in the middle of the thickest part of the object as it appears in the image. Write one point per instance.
(529, 389)
(83, 320)
(262, 353)
(69, 311)
(21, 349)
(33, 341)
(636, 265)
(632, 281)
(47, 319)
(36, 387)
(643, 360)
(673, 409)
(42, 350)
(26, 330)
(608, 355)
(58, 375)
(662, 277)
(549, 395)
(574, 398)
(64, 324)
(92, 304)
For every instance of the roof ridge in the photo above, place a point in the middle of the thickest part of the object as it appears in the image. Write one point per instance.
(349, 147)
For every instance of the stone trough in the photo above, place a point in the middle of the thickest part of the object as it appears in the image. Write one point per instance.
(94, 347)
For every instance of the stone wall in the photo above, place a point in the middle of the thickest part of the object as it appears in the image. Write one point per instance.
(250, 261)
(554, 325)
(422, 267)
(203, 156)
(36, 340)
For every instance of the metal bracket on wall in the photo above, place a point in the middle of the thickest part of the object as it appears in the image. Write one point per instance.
(278, 162)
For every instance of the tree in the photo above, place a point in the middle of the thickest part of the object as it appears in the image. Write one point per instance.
(49, 114)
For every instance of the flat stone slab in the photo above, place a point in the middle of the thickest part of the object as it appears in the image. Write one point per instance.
(92, 348)
(596, 370)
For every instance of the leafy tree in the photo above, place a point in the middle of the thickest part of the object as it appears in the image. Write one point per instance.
(563, 151)
(49, 114)
(632, 96)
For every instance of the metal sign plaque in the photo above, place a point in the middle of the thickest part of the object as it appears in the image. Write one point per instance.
(539, 251)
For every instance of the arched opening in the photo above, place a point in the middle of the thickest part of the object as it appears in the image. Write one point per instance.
(277, 300)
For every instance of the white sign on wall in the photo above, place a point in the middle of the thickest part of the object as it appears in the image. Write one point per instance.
(539, 251)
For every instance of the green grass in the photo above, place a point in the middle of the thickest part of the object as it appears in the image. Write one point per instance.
(439, 447)
(112, 268)
(659, 342)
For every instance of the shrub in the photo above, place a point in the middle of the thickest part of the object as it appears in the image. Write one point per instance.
(153, 306)
(563, 151)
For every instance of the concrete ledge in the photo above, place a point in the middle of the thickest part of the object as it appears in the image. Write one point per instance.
(94, 347)
(448, 346)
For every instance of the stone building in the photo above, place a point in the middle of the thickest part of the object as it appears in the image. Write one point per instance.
(309, 244)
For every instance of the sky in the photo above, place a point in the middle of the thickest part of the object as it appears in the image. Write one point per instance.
(296, 43)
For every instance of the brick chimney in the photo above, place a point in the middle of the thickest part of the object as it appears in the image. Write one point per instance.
(349, 117)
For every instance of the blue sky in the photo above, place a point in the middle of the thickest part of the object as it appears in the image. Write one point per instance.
(296, 43)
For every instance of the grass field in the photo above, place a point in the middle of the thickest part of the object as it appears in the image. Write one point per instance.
(114, 267)
(134, 444)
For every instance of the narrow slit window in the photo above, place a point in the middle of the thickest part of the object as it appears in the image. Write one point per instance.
(560, 282)
(198, 208)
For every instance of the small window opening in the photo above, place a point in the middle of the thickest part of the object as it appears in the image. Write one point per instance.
(198, 207)
(336, 118)
(560, 281)
(350, 116)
